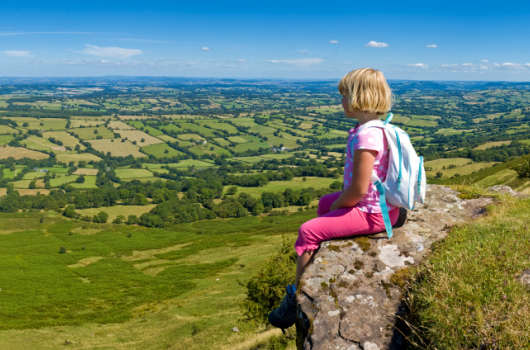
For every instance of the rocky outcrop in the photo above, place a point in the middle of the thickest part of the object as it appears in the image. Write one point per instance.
(350, 294)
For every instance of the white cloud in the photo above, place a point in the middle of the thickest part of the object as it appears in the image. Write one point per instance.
(432, 46)
(71, 33)
(418, 65)
(376, 44)
(146, 41)
(514, 65)
(301, 62)
(205, 48)
(18, 53)
(112, 52)
(471, 67)
(242, 61)
(333, 41)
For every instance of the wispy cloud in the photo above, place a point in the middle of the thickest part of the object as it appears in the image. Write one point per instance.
(418, 65)
(301, 62)
(146, 41)
(432, 46)
(71, 33)
(205, 48)
(112, 52)
(242, 61)
(376, 44)
(473, 67)
(333, 41)
(18, 53)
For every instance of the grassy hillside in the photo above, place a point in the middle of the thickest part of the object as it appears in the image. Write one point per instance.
(116, 287)
(498, 174)
(468, 294)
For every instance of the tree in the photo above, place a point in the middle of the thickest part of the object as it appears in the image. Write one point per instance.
(32, 184)
(80, 179)
(119, 219)
(231, 190)
(101, 217)
(267, 287)
(69, 211)
(132, 219)
(439, 175)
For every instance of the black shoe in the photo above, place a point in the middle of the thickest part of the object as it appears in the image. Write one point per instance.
(285, 315)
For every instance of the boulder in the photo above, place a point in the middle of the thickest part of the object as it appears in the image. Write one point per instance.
(350, 294)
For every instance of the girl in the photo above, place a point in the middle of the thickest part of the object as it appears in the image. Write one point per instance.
(355, 210)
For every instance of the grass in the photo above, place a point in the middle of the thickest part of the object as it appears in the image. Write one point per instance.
(155, 289)
(67, 157)
(67, 139)
(469, 295)
(90, 182)
(133, 173)
(46, 124)
(464, 166)
(159, 151)
(492, 144)
(20, 152)
(88, 133)
(5, 139)
(118, 125)
(4, 129)
(116, 210)
(182, 164)
(296, 183)
(38, 143)
(138, 136)
(117, 148)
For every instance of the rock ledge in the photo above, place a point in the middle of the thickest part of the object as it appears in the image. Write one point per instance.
(349, 297)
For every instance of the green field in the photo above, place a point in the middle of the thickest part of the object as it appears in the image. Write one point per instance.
(159, 151)
(464, 166)
(5, 139)
(67, 157)
(296, 183)
(67, 139)
(157, 288)
(133, 173)
(117, 148)
(116, 210)
(38, 143)
(4, 129)
(92, 133)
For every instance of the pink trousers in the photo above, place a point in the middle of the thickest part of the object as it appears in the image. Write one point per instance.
(342, 222)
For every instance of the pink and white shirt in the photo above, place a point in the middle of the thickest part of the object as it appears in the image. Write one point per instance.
(375, 140)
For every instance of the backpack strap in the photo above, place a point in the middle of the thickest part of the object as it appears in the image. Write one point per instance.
(382, 203)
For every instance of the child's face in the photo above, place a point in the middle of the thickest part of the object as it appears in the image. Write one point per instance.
(347, 112)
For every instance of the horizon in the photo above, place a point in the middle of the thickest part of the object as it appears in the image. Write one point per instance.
(250, 79)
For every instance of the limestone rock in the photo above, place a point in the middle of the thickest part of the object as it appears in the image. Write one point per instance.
(504, 189)
(349, 297)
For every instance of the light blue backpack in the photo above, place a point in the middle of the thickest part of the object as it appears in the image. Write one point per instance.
(405, 182)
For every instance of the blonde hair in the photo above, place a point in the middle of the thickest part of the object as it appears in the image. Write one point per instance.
(367, 91)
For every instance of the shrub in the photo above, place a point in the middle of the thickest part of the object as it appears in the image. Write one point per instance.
(101, 217)
(266, 288)
(69, 211)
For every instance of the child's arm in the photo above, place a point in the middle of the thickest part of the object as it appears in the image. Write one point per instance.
(363, 165)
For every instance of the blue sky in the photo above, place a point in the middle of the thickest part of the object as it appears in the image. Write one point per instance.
(427, 40)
